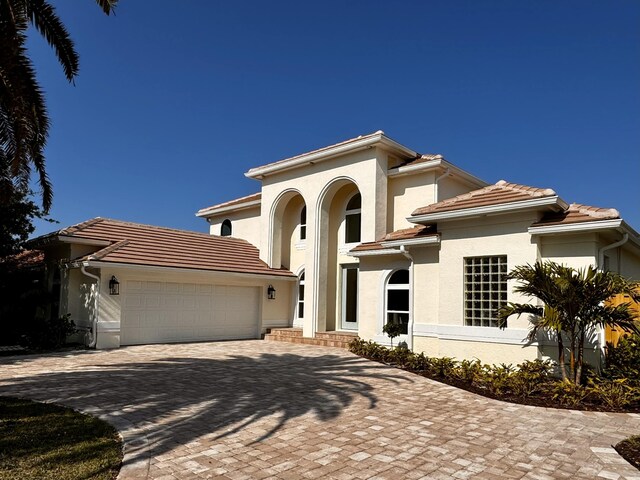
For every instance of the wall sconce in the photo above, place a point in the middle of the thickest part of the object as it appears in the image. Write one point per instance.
(114, 286)
(271, 292)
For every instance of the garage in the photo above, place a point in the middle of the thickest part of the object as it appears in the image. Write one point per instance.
(164, 312)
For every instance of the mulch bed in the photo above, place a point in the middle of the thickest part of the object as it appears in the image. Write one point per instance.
(629, 449)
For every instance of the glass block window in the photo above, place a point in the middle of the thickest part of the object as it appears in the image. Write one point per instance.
(485, 289)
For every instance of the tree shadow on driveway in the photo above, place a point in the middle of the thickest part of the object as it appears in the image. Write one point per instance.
(179, 400)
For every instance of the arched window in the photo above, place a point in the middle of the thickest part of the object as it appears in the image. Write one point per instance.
(225, 230)
(352, 220)
(397, 296)
(301, 295)
(303, 223)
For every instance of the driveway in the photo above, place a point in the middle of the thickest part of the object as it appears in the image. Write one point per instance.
(255, 409)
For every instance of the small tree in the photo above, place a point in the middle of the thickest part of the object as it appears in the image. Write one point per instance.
(392, 330)
(574, 303)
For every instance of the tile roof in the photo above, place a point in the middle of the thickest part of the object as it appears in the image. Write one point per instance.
(138, 244)
(501, 192)
(577, 213)
(232, 203)
(419, 231)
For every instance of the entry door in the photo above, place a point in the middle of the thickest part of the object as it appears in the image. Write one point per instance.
(349, 298)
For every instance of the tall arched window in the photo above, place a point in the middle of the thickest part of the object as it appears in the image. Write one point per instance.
(397, 297)
(352, 220)
(300, 309)
(303, 223)
(225, 229)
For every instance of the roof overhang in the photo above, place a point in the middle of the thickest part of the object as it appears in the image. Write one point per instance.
(53, 238)
(375, 139)
(616, 224)
(440, 164)
(208, 212)
(375, 253)
(553, 203)
(160, 269)
(430, 240)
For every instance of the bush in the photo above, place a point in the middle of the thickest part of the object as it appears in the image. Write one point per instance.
(529, 382)
(47, 334)
(623, 360)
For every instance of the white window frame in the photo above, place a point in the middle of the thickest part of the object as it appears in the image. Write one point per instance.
(502, 292)
(398, 286)
(301, 283)
(303, 226)
(230, 227)
(354, 211)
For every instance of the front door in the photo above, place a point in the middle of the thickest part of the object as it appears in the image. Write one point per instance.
(349, 298)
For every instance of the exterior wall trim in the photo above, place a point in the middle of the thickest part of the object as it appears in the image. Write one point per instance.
(434, 240)
(509, 336)
(231, 208)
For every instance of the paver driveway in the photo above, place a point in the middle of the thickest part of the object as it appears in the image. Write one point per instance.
(254, 409)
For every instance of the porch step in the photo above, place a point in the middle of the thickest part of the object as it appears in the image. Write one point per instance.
(324, 339)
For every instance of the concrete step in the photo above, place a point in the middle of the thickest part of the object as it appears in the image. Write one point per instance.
(324, 339)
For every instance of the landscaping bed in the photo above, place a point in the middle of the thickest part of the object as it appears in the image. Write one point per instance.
(40, 441)
(529, 383)
(629, 449)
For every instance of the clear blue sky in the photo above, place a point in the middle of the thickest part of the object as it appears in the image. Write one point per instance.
(177, 99)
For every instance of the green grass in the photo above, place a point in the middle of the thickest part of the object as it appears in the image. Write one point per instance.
(40, 441)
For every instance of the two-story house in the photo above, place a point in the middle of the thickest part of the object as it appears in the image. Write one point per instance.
(343, 238)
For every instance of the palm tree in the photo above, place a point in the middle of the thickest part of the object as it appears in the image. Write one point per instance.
(574, 303)
(24, 123)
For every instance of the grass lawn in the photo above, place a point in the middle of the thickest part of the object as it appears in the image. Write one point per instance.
(630, 450)
(43, 441)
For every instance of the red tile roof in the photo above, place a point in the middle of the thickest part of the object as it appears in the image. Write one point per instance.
(138, 244)
(232, 203)
(501, 192)
(577, 213)
(419, 231)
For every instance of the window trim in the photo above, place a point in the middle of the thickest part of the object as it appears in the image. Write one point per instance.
(502, 282)
(302, 230)
(301, 283)
(397, 286)
(226, 222)
(347, 213)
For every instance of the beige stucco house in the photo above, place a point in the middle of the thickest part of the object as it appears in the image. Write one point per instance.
(349, 237)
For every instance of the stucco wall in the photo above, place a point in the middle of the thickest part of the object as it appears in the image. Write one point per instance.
(245, 224)
(576, 251)
(406, 193)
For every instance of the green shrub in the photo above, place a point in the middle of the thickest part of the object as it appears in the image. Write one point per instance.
(46, 334)
(531, 377)
(469, 371)
(568, 394)
(613, 394)
(623, 360)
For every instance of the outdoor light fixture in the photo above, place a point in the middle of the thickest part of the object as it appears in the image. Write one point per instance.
(114, 286)
(271, 292)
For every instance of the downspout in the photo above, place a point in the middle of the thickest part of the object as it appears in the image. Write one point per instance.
(436, 193)
(622, 241)
(94, 328)
(404, 252)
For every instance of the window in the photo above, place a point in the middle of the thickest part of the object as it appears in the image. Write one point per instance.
(301, 295)
(397, 293)
(225, 230)
(485, 289)
(352, 220)
(303, 223)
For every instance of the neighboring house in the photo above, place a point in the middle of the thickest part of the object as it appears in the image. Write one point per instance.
(350, 236)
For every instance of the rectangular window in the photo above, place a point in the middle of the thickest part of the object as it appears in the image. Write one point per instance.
(485, 289)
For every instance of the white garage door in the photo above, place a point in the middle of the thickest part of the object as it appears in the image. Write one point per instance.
(161, 312)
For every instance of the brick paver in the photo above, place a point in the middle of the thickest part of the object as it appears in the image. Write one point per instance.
(257, 410)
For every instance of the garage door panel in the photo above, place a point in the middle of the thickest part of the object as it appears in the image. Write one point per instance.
(159, 312)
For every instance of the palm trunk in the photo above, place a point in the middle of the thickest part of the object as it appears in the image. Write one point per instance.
(580, 358)
(563, 367)
(572, 356)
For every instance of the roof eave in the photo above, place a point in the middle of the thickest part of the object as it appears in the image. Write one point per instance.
(438, 164)
(617, 224)
(357, 144)
(209, 212)
(553, 202)
(160, 268)
(373, 253)
(431, 240)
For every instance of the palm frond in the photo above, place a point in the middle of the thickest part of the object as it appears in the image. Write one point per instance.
(107, 6)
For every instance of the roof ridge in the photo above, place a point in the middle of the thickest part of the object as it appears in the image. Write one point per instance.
(595, 212)
(79, 226)
(533, 191)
